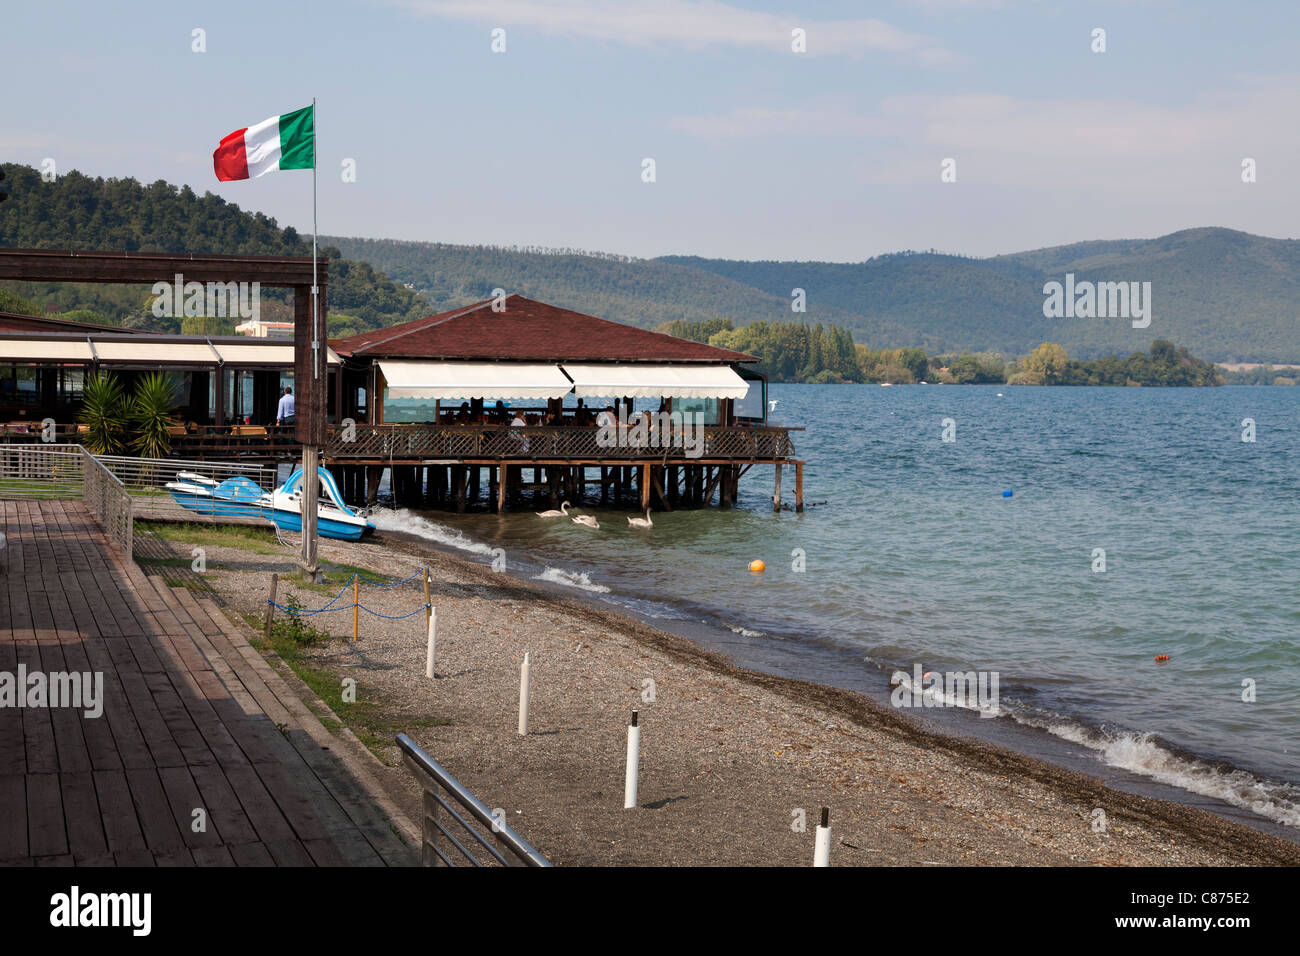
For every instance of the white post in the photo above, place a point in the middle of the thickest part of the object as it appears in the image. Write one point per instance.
(433, 640)
(523, 697)
(822, 851)
(633, 760)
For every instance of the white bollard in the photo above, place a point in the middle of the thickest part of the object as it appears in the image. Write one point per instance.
(633, 760)
(523, 697)
(822, 851)
(433, 641)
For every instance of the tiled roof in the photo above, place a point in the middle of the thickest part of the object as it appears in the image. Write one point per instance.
(528, 331)
(18, 322)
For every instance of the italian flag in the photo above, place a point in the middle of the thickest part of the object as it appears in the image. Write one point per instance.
(281, 142)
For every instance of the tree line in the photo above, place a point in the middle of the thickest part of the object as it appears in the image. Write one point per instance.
(76, 211)
(820, 354)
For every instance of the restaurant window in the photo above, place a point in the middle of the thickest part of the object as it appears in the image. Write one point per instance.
(753, 407)
(708, 407)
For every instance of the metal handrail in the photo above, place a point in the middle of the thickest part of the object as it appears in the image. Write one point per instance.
(434, 777)
(109, 501)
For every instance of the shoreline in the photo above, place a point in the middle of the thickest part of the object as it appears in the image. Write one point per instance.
(729, 749)
(849, 703)
(1218, 784)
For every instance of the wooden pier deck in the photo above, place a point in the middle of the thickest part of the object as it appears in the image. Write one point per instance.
(193, 717)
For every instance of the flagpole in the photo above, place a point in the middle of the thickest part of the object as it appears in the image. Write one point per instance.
(314, 407)
(315, 315)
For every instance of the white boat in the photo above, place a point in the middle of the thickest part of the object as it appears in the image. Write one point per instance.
(241, 497)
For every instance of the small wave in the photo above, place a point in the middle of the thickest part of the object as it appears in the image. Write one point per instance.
(938, 695)
(744, 631)
(1143, 754)
(403, 520)
(572, 579)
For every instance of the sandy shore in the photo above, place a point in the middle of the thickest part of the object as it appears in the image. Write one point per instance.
(731, 759)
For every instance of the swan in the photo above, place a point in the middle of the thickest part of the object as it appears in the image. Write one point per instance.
(641, 522)
(562, 513)
(588, 521)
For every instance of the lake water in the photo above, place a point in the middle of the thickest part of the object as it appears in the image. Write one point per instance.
(916, 557)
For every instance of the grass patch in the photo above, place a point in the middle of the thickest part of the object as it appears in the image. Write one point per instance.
(334, 576)
(244, 537)
(42, 489)
(291, 640)
(190, 583)
(152, 562)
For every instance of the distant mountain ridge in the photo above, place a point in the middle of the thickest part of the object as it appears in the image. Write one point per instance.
(1224, 294)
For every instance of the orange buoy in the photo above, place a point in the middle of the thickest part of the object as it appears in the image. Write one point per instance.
(757, 566)
(1161, 658)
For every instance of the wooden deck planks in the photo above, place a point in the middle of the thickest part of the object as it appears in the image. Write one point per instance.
(192, 718)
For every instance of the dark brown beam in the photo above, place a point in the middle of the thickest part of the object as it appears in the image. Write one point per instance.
(51, 265)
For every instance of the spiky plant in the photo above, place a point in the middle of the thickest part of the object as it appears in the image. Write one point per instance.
(105, 413)
(150, 413)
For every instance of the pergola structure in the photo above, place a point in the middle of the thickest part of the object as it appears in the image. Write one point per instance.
(291, 272)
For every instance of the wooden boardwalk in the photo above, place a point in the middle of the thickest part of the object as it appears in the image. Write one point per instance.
(193, 718)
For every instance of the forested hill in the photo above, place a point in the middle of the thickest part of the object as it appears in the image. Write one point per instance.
(1226, 295)
(644, 292)
(79, 212)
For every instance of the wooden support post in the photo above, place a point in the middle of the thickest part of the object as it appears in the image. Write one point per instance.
(660, 489)
(462, 482)
(310, 509)
(428, 601)
(776, 493)
(713, 481)
(503, 475)
(270, 606)
(645, 488)
(798, 486)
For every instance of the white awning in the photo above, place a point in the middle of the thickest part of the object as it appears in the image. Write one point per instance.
(489, 380)
(250, 354)
(656, 381)
(125, 350)
(45, 350)
(138, 350)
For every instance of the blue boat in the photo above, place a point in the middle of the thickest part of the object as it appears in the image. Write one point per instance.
(334, 519)
(242, 498)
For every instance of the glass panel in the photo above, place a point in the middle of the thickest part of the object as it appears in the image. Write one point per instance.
(754, 404)
(709, 407)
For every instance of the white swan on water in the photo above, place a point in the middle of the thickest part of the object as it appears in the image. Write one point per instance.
(562, 513)
(588, 521)
(641, 522)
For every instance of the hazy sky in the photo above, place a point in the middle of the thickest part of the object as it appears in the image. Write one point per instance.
(760, 152)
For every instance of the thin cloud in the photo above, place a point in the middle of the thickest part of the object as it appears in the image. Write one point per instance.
(1103, 143)
(690, 24)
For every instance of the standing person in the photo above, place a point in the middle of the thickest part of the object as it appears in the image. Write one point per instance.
(284, 411)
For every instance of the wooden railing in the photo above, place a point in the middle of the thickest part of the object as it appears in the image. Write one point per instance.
(484, 442)
(547, 443)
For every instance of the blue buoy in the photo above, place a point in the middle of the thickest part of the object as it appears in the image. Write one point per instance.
(1006, 493)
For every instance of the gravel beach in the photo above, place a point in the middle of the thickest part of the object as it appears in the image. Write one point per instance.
(732, 761)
